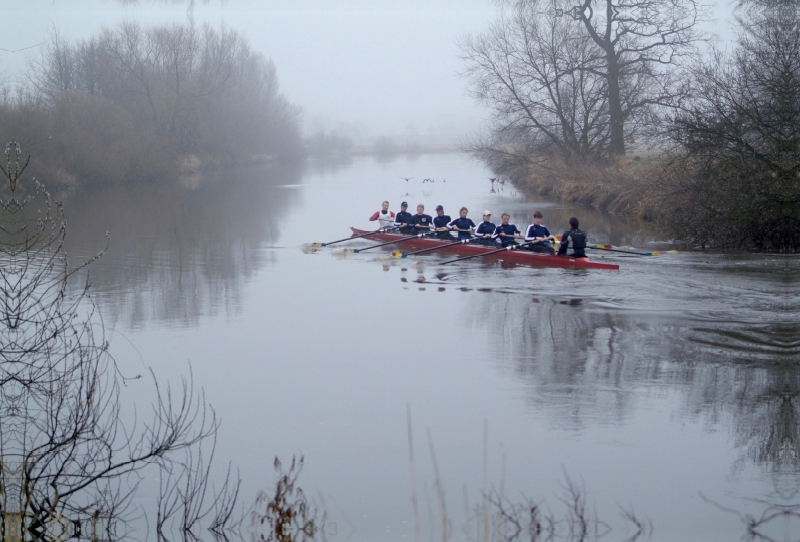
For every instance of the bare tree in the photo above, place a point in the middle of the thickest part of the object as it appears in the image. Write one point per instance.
(641, 42)
(637, 46)
(524, 68)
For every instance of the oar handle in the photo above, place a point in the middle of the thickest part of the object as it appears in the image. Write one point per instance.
(603, 247)
(404, 239)
(381, 230)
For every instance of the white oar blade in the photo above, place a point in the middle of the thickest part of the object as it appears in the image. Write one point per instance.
(308, 249)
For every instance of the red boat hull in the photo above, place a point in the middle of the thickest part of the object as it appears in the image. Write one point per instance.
(516, 256)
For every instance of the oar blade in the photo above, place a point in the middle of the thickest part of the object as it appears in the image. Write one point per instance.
(307, 248)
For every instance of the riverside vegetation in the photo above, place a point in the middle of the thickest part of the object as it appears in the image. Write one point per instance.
(573, 86)
(74, 453)
(135, 103)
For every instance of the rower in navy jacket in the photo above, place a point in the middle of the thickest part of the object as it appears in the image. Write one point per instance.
(403, 219)
(463, 225)
(421, 222)
(574, 240)
(385, 217)
(506, 232)
(485, 230)
(440, 224)
(538, 232)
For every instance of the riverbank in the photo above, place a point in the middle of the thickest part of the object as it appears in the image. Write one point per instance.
(679, 198)
(626, 188)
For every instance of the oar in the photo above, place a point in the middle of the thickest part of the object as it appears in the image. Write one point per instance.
(654, 253)
(407, 254)
(402, 240)
(381, 230)
(508, 248)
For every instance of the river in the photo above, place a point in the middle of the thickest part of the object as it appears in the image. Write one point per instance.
(670, 387)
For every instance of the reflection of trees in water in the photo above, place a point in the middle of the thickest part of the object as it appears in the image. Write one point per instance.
(572, 359)
(180, 251)
(772, 440)
(69, 464)
(72, 456)
(580, 364)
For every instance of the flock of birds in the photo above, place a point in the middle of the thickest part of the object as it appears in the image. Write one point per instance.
(406, 179)
(496, 181)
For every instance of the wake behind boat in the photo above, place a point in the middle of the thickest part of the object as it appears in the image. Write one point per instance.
(524, 257)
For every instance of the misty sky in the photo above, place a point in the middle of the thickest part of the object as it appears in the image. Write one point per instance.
(374, 67)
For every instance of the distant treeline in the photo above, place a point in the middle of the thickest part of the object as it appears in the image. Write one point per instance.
(132, 102)
(332, 145)
(573, 87)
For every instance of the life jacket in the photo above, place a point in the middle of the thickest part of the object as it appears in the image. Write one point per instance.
(386, 220)
(577, 239)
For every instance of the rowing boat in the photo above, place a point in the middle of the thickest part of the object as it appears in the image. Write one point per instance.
(515, 256)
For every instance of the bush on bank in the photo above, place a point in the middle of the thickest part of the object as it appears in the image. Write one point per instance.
(87, 139)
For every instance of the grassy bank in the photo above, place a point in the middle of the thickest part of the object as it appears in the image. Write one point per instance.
(627, 187)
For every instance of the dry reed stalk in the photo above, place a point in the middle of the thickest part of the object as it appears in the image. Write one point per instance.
(414, 501)
(439, 491)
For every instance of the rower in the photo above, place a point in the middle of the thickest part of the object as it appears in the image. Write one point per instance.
(463, 225)
(485, 230)
(385, 217)
(505, 232)
(440, 224)
(421, 222)
(538, 232)
(403, 219)
(573, 240)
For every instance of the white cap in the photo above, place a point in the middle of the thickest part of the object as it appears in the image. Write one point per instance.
(487, 213)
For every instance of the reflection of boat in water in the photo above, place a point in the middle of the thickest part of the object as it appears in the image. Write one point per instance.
(516, 256)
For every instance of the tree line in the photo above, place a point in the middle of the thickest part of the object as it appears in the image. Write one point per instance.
(573, 86)
(128, 102)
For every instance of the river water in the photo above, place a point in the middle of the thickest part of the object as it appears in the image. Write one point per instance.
(670, 387)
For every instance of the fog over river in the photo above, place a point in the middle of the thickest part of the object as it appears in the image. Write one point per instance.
(650, 386)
